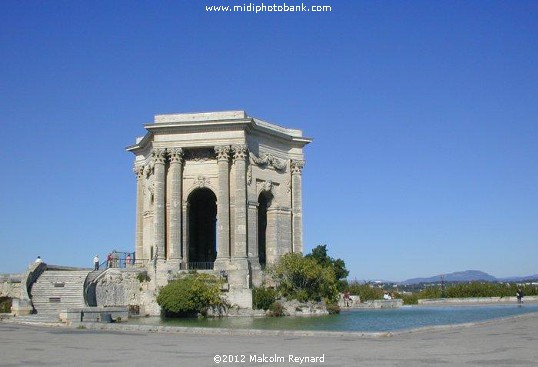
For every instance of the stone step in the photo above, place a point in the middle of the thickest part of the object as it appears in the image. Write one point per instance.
(57, 290)
(38, 318)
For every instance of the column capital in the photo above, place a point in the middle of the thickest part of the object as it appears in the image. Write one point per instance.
(296, 167)
(223, 152)
(240, 151)
(159, 155)
(176, 155)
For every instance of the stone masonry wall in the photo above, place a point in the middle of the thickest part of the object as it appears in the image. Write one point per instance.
(10, 288)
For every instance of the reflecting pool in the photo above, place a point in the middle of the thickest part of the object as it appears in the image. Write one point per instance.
(359, 320)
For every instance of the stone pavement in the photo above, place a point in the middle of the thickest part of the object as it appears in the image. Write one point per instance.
(507, 342)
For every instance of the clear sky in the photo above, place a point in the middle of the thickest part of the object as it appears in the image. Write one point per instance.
(424, 117)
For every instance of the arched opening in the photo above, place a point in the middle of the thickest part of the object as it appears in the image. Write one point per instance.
(264, 201)
(202, 228)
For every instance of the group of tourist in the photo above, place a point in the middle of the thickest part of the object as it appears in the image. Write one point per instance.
(113, 260)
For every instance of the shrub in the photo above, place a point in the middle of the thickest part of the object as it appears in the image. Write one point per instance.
(276, 309)
(143, 277)
(365, 291)
(409, 299)
(191, 295)
(5, 304)
(477, 289)
(263, 298)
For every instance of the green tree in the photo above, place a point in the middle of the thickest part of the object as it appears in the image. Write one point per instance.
(319, 253)
(304, 279)
(191, 295)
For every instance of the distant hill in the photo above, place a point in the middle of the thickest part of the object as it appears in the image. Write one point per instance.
(460, 276)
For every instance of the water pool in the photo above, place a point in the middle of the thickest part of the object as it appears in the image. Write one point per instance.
(358, 320)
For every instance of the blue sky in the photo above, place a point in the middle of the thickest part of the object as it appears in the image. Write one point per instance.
(423, 114)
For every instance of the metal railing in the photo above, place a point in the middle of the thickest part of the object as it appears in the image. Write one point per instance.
(199, 265)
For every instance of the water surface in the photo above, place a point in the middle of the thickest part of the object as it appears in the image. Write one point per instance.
(358, 320)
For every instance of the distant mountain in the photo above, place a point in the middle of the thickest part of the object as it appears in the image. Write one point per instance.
(460, 276)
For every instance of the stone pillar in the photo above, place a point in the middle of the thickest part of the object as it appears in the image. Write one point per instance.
(176, 172)
(273, 248)
(240, 166)
(139, 239)
(253, 255)
(297, 205)
(159, 199)
(253, 230)
(223, 203)
(185, 234)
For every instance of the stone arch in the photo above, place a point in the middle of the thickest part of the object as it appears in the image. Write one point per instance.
(202, 227)
(200, 182)
(265, 199)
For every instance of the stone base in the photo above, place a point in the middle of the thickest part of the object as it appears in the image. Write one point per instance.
(257, 276)
(241, 298)
(148, 304)
(94, 314)
(21, 307)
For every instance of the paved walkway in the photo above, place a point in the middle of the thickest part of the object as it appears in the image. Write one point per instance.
(509, 342)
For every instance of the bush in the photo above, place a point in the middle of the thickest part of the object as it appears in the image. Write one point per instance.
(365, 291)
(276, 309)
(143, 277)
(304, 279)
(5, 304)
(409, 299)
(191, 295)
(263, 298)
(477, 289)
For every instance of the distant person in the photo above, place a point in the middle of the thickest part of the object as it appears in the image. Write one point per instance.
(519, 295)
(115, 258)
(109, 260)
(96, 262)
(347, 298)
(38, 260)
(128, 260)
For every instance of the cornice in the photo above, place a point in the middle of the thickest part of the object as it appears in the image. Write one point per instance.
(203, 122)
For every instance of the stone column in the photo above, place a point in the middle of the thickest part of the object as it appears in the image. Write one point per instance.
(240, 166)
(176, 171)
(159, 157)
(253, 230)
(297, 205)
(223, 202)
(185, 234)
(139, 240)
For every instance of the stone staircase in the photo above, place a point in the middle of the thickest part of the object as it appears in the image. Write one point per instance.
(59, 289)
(89, 287)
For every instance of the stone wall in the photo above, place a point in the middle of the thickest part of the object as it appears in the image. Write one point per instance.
(122, 287)
(10, 286)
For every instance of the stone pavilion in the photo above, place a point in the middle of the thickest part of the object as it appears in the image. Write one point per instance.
(218, 191)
